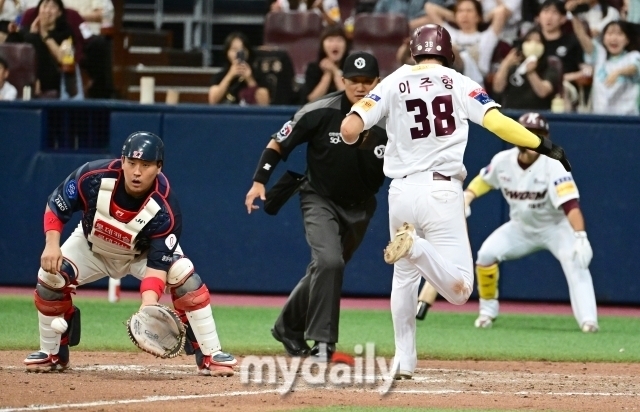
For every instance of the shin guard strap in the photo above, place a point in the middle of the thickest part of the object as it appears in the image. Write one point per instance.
(488, 281)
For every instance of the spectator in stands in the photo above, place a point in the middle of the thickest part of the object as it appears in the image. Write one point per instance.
(237, 83)
(7, 91)
(616, 67)
(47, 31)
(9, 11)
(413, 10)
(597, 13)
(473, 49)
(328, 9)
(507, 11)
(96, 14)
(631, 10)
(565, 46)
(524, 78)
(403, 55)
(324, 75)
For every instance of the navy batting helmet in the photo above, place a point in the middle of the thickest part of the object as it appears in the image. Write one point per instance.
(143, 145)
(534, 121)
(432, 39)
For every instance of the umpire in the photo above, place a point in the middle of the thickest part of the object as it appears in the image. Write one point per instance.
(337, 197)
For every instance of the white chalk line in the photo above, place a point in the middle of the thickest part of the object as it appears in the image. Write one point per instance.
(183, 369)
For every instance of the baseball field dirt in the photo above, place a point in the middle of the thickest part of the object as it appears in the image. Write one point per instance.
(137, 381)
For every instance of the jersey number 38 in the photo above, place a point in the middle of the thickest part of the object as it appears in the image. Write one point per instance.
(443, 121)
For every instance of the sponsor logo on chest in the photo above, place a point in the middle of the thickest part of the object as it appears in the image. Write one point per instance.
(334, 137)
(112, 234)
(524, 195)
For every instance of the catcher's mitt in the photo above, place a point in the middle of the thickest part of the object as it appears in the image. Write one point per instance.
(158, 330)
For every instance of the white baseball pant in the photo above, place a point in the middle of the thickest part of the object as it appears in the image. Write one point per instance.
(513, 240)
(441, 253)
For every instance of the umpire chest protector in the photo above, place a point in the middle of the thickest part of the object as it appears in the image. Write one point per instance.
(111, 237)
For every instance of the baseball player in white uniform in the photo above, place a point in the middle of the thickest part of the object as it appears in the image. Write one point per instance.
(428, 107)
(544, 215)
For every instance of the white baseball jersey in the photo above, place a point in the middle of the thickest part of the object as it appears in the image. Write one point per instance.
(535, 195)
(428, 107)
(623, 97)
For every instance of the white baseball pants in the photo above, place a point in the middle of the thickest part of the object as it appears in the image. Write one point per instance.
(513, 240)
(441, 252)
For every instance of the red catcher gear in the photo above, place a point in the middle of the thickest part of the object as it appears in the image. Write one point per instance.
(534, 121)
(432, 39)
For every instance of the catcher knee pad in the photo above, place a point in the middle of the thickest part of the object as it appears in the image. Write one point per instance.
(187, 299)
(51, 303)
(488, 281)
(59, 281)
(181, 269)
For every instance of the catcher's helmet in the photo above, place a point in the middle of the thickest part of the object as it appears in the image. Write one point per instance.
(432, 39)
(143, 145)
(534, 121)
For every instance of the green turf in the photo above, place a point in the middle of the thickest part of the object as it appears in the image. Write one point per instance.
(442, 335)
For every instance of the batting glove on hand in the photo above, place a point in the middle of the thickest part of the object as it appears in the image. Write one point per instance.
(582, 252)
(468, 197)
(548, 148)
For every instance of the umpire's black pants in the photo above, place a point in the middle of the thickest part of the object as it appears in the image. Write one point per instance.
(333, 232)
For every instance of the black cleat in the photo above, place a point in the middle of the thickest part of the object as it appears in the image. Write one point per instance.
(294, 347)
(423, 308)
(323, 352)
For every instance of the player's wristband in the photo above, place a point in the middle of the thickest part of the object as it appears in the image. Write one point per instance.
(52, 222)
(268, 161)
(152, 283)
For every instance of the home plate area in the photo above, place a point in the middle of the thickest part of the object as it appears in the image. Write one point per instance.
(135, 381)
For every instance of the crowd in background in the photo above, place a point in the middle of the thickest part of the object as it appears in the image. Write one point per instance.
(578, 55)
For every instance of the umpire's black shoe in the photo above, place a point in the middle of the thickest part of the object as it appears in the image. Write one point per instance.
(322, 351)
(423, 307)
(294, 347)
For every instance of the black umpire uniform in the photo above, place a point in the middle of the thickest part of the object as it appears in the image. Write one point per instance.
(337, 197)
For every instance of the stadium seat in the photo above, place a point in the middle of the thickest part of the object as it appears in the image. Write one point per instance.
(380, 35)
(22, 64)
(296, 32)
(275, 66)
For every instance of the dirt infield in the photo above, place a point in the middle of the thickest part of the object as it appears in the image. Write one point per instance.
(131, 381)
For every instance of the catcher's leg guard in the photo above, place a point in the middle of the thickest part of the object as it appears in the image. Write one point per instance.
(191, 300)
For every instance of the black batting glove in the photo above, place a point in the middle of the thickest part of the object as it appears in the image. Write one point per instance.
(548, 148)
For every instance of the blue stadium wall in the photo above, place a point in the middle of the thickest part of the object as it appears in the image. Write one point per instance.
(211, 153)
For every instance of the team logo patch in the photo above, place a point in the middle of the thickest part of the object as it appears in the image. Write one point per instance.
(379, 151)
(284, 132)
(481, 96)
(565, 186)
(137, 154)
(171, 241)
(373, 97)
(71, 189)
(365, 104)
(360, 63)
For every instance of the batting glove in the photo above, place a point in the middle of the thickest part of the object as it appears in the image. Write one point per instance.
(548, 148)
(582, 252)
(468, 197)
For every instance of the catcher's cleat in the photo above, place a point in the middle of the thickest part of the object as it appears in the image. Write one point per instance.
(590, 327)
(401, 244)
(484, 322)
(45, 362)
(423, 307)
(218, 364)
(294, 347)
(402, 374)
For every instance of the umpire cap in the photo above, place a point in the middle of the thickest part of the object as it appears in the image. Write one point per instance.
(360, 64)
(144, 146)
(432, 39)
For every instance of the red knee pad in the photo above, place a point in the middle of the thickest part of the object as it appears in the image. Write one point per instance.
(191, 301)
(52, 307)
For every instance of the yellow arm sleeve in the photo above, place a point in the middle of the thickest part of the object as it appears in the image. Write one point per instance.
(509, 130)
(478, 186)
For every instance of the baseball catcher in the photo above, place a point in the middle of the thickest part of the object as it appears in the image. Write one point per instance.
(131, 224)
